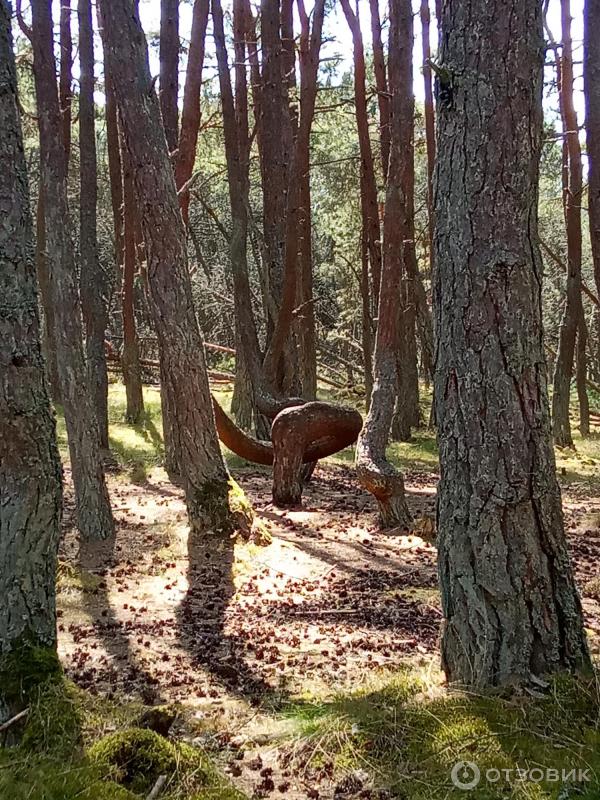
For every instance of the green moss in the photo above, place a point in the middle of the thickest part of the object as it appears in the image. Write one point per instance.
(25, 668)
(409, 742)
(53, 779)
(135, 757)
(54, 721)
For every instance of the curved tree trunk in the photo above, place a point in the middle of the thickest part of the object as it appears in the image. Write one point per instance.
(30, 477)
(511, 609)
(374, 472)
(181, 349)
(94, 517)
(574, 190)
(94, 300)
(299, 434)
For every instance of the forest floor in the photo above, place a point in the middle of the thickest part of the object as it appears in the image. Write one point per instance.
(309, 667)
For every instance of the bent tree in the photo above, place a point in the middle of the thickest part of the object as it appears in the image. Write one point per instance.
(181, 349)
(511, 609)
(30, 480)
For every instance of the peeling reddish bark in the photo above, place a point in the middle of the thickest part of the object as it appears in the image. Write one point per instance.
(383, 99)
(191, 111)
(169, 69)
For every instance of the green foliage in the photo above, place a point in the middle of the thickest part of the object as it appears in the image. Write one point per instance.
(409, 737)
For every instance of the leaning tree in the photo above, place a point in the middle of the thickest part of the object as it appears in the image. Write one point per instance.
(511, 608)
(183, 368)
(30, 479)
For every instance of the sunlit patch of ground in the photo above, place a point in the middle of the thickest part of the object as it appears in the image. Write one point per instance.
(266, 647)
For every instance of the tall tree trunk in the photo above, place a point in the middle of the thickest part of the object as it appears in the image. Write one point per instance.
(383, 99)
(368, 186)
(277, 143)
(310, 46)
(30, 478)
(130, 358)
(43, 276)
(190, 113)
(407, 413)
(181, 348)
(298, 175)
(429, 115)
(366, 319)
(591, 82)
(115, 173)
(237, 150)
(511, 609)
(94, 291)
(94, 517)
(65, 78)
(561, 424)
(169, 69)
(374, 472)
(581, 376)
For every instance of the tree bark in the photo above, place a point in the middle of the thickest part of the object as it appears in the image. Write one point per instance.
(511, 609)
(374, 472)
(591, 84)
(310, 46)
(383, 99)
(581, 376)
(43, 276)
(169, 70)
(65, 78)
(190, 114)
(30, 477)
(94, 517)
(181, 348)
(371, 236)
(300, 436)
(130, 357)
(574, 190)
(94, 291)
(113, 149)
(298, 175)
(237, 151)
(277, 142)
(429, 115)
